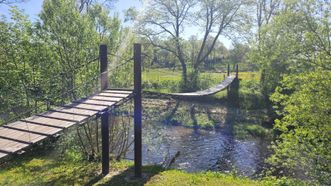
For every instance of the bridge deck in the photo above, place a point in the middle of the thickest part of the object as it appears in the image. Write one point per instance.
(16, 136)
(213, 90)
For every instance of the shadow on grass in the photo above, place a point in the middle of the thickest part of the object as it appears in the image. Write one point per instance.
(126, 177)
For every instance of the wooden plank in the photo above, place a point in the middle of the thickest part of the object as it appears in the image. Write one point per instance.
(89, 107)
(20, 135)
(46, 130)
(76, 111)
(50, 121)
(65, 116)
(100, 98)
(105, 94)
(118, 91)
(95, 102)
(11, 146)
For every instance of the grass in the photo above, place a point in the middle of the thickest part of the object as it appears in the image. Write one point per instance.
(48, 169)
(47, 165)
(177, 177)
(164, 80)
(246, 130)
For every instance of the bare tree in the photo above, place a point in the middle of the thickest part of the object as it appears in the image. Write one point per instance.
(164, 23)
(265, 10)
(218, 17)
(166, 19)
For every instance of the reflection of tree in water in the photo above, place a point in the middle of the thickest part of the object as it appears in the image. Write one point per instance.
(199, 149)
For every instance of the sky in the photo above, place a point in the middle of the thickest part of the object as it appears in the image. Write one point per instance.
(33, 7)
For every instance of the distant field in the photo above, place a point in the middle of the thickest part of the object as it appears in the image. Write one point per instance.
(165, 80)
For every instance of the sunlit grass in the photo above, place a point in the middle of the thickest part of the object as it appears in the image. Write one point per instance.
(167, 81)
(48, 169)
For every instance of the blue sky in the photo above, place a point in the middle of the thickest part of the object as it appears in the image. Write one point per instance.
(33, 7)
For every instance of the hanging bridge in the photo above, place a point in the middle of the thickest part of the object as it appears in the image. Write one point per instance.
(207, 92)
(22, 133)
(17, 136)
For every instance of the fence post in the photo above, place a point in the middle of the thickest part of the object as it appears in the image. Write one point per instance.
(137, 111)
(103, 67)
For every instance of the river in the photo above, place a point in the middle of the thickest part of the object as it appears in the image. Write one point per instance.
(199, 148)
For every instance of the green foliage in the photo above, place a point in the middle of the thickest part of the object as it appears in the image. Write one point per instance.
(305, 128)
(295, 41)
(74, 39)
(294, 58)
(54, 59)
(24, 77)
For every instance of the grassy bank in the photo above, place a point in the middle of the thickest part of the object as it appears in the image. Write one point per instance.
(247, 123)
(49, 169)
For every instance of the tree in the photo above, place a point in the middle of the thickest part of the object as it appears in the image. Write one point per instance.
(294, 55)
(295, 41)
(165, 21)
(85, 5)
(219, 17)
(265, 10)
(72, 36)
(304, 143)
(238, 55)
(167, 18)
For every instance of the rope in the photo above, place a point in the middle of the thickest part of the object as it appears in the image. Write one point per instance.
(31, 110)
(40, 106)
(120, 57)
(119, 65)
(77, 87)
(88, 62)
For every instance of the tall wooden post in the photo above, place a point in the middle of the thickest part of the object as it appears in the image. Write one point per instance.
(137, 111)
(105, 113)
(103, 67)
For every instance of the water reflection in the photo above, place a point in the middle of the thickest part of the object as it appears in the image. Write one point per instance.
(200, 150)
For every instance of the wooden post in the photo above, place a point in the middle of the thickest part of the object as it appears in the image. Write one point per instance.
(237, 71)
(228, 88)
(105, 141)
(228, 69)
(105, 113)
(137, 111)
(103, 67)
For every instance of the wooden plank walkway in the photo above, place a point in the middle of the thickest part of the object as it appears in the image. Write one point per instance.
(16, 136)
(213, 90)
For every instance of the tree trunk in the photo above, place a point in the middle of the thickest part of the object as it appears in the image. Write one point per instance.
(184, 76)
